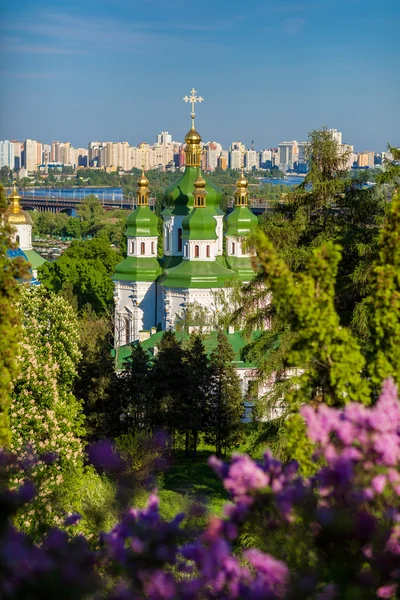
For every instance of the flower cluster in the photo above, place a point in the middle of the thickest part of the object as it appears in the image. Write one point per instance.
(334, 535)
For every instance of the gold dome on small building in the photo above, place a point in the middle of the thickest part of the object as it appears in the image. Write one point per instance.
(143, 181)
(15, 215)
(242, 181)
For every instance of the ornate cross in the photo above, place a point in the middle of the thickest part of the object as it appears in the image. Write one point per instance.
(193, 99)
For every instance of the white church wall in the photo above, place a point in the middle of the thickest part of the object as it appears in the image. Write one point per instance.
(142, 246)
(23, 236)
(220, 233)
(135, 310)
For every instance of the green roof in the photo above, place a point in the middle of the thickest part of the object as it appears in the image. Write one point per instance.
(240, 221)
(197, 274)
(242, 266)
(142, 222)
(178, 197)
(137, 268)
(200, 224)
(34, 258)
(236, 340)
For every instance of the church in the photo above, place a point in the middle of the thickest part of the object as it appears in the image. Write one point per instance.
(203, 250)
(22, 224)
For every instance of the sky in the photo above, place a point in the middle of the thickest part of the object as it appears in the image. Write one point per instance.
(269, 71)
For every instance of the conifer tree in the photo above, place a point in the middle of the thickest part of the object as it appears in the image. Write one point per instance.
(198, 391)
(225, 404)
(170, 376)
(132, 407)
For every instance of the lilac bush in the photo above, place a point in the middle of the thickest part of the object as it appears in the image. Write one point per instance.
(333, 535)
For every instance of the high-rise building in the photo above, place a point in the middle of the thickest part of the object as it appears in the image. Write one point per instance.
(164, 138)
(213, 151)
(287, 155)
(30, 155)
(18, 150)
(265, 158)
(336, 136)
(235, 159)
(7, 154)
(251, 160)
(366, 159)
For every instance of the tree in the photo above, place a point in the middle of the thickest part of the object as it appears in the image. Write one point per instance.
(194, 409)
(95, 384)
(225, 404)
(46, 419)
(10, 271)
(132, 406)
(85, 268)
(170, 378)
(91, 213)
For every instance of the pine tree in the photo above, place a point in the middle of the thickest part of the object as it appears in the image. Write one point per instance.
(170, 377)
(198, 391)
(132, 407)
(225, 404)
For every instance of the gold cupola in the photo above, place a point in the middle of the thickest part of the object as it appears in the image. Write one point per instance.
(200, 192)
(143, 190)
(241, 192)
(15, 215)
(193, 138)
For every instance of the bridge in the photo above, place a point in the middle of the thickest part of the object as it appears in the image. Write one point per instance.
(68, 200)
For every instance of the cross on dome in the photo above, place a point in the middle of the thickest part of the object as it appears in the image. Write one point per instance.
(193, 99)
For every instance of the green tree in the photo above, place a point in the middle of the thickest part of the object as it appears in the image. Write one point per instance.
(96, 380)
(10, 331)
(197, 394)
(85, 268)
(91, 213)
(225, 403)
(132, 407)
(170, 377)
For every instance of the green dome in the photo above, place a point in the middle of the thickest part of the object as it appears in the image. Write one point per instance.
(200, 224)
(240, 221)
(178, 197)
(142, 222)
(197, 274)
(137, 268)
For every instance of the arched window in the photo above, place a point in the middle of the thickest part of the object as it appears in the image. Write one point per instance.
(233, 247)
(196, 251)
(152, 247)
(132, 247)
(142, 248)
(17, 240)
(180, 239)
(127, 330)
(208, 251)
(166, 239)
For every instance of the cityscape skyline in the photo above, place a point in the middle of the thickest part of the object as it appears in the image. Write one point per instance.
(114, 70)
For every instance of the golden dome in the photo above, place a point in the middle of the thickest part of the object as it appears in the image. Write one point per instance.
(242, 182)
(143, 181)
(15, 215)
(20, 218)
(192, 137)
(200, 182)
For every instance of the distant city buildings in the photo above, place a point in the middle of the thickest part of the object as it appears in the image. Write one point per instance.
(29, 156)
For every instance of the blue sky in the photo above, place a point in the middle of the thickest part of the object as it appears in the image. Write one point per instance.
(269, 71)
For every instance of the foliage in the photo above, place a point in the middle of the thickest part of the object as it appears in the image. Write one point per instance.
(225, 404)
(10, 271)
(95, 382)
(84, 270)
(45, 417)
(334, 535)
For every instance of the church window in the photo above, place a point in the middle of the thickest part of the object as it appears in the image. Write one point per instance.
(180, 239)
(142, 248)
(152, 247)
(233, 247)
(132, 247)
(208, 251)
(196, 251)
(166, 239)
(127, 330)
(17, 240)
